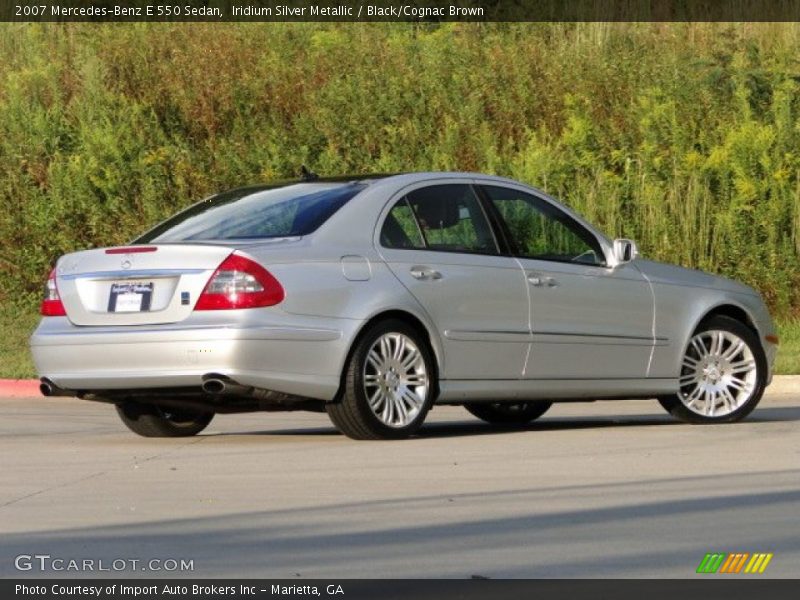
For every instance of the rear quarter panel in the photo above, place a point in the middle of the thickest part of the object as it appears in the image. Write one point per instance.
(347, 283)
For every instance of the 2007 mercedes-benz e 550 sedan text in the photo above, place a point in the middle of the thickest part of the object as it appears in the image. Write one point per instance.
(375, 298)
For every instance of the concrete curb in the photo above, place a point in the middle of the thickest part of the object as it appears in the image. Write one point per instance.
(27, 388)
(19, 388)
(784, 384)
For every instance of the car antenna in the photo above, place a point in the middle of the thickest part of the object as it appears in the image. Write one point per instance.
(307, 175)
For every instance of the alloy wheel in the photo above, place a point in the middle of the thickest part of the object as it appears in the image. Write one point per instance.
(395, 379)
(718, 373)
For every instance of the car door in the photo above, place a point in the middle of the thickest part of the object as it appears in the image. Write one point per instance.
(437, 240)
(588, 320)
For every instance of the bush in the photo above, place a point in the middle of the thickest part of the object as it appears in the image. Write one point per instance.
(684, 137)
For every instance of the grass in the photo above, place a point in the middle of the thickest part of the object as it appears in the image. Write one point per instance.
(15, 357)
(17, 325)
(788, 362)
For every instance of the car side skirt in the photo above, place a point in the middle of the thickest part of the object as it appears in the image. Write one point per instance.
(459, 391)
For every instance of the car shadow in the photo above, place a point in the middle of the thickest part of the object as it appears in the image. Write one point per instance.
(468, 428)
(459, 428)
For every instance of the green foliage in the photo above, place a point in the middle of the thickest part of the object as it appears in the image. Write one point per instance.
(788, 361)
(682, 136)
(17, 324)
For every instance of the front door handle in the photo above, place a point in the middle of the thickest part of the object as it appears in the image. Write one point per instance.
(537, 280)
(425, 273)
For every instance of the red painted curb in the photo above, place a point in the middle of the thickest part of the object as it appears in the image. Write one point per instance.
(19, 388)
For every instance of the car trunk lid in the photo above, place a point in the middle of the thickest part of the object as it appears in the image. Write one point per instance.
(136, 285)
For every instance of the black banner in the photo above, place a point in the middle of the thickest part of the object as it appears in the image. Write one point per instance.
(402, 11)
(584, 589)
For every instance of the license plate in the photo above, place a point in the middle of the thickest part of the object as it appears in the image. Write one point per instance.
(130, 296)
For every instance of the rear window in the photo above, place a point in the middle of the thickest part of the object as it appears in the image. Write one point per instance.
(256, 213)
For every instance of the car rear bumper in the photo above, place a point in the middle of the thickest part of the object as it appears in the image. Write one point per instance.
(298, 360)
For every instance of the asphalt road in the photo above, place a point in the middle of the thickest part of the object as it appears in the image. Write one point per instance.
(613, 489)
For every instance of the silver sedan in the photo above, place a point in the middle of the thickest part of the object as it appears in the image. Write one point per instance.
(375, 298)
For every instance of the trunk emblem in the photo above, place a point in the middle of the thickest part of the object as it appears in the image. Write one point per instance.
(67, 267)
(126, 264)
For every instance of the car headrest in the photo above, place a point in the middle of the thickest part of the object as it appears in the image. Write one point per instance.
(435, 207)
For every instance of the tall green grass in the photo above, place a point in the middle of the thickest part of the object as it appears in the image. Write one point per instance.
(685, 137)
(17, 324)
(788, 360)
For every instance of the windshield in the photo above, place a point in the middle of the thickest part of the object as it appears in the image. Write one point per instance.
(254, 213)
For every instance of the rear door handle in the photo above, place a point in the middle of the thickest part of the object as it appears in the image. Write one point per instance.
(424, 273)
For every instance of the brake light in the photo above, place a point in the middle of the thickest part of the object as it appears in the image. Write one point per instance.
(51, 303)
(131, 250)
(240, 283)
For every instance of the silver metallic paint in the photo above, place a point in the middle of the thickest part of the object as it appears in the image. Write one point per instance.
(617, 330)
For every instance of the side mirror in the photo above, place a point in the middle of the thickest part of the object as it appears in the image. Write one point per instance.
(625, 251)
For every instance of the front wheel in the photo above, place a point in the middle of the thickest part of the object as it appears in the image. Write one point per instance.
(150, 420)
(388, 385)
(723, 374)
(508, 413)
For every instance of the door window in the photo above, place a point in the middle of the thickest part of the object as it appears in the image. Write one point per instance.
(400, 229)
(445, 218)
(539, 230)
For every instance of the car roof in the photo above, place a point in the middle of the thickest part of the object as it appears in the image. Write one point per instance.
(372, 179)
(350, 178)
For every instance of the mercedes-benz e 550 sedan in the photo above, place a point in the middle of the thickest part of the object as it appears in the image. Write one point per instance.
(376, 298)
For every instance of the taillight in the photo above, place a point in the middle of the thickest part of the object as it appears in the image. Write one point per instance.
(240, 283)
(51, 303)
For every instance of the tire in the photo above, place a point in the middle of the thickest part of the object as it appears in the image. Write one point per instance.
(508, 413)
(389, 384)
(723, 374)
(150, 420)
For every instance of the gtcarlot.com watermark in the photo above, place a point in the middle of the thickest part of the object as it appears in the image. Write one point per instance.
(46, 562)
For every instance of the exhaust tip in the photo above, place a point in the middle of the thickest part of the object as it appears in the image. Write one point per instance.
(213, 386)
(48, 388)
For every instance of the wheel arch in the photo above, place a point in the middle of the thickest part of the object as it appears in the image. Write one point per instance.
(742, 316)
(732, 311)
(413, 320)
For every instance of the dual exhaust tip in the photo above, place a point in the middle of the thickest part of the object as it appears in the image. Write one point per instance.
(212, 384)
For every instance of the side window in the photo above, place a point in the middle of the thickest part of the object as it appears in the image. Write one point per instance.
(400, 229)
(541, 231)
(451, 219)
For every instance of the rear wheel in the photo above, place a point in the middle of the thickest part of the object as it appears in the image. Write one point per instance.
(508, 413)
(723, 374)
(388, 386)
(150, 420)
